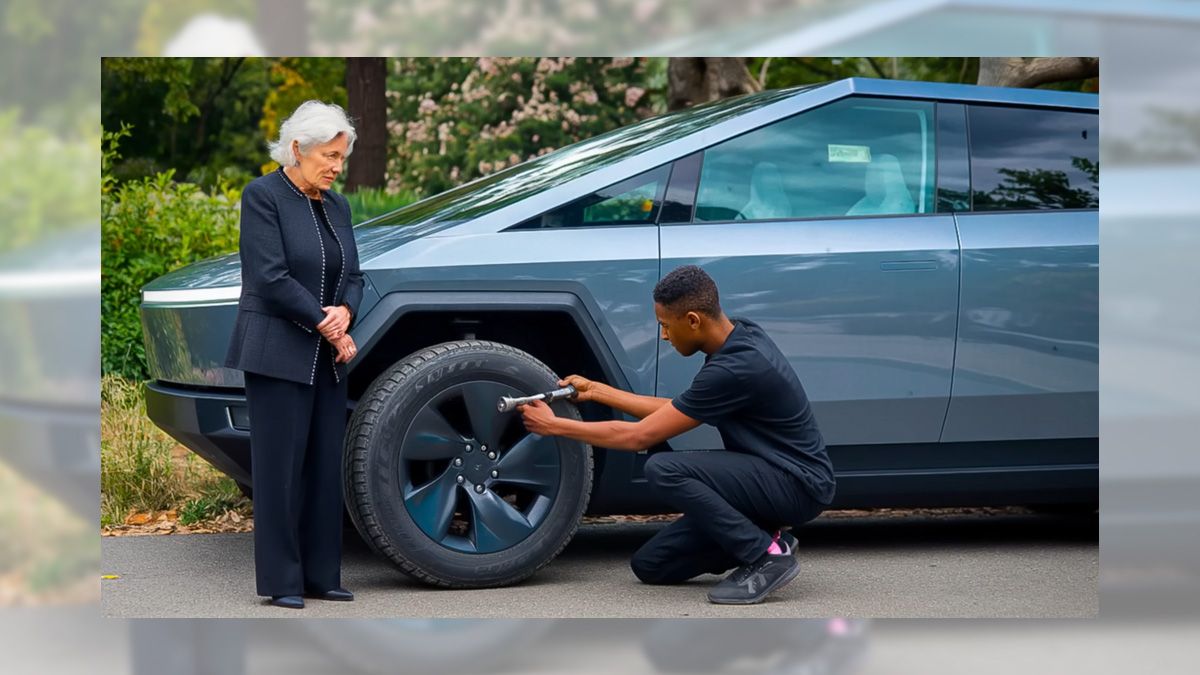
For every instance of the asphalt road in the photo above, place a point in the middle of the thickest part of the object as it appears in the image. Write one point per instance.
(1011, 565)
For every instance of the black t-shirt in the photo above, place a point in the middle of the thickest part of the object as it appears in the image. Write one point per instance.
(333, 265)
(750, 393)
(333, 251)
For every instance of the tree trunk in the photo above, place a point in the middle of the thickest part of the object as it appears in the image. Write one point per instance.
(698, 80)
(366, 87)
(1021, 72)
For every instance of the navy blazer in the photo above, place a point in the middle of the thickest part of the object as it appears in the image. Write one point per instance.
(282, 256)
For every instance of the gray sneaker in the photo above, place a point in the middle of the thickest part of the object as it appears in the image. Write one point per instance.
(750, 584)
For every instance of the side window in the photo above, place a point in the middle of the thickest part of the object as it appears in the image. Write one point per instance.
(855, 157)
(1034, 159)
(634, 201)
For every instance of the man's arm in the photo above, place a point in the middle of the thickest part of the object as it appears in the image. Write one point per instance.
(627, 402)
(665, 422)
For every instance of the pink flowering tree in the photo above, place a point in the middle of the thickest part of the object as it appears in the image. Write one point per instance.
(455, 119)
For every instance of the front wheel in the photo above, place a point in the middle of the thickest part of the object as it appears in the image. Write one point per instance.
(451, 491)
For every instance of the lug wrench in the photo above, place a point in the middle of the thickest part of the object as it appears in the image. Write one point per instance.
(507, 403)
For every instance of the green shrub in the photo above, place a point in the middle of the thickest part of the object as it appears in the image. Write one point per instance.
(367, 203)
(50, 184)
(148, 228)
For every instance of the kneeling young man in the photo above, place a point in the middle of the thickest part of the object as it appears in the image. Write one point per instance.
(773, 473)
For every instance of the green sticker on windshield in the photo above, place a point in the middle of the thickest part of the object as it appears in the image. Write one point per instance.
(849, 153)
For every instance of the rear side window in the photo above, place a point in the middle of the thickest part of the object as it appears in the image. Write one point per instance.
(856, 157)
(1025, 159)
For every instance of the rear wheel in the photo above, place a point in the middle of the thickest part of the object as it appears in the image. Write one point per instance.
(451, 491)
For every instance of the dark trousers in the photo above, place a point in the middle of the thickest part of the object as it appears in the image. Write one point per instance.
(732, 502)
(296, 435)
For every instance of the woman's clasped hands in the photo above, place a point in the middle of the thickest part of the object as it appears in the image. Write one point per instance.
(333, 328)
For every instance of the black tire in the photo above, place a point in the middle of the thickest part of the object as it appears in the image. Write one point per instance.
(414, 506)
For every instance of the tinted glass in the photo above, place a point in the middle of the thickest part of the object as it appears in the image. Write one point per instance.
(855, 157)
(681, 192)
(634, 201)
(1034, 159)
(513, 184)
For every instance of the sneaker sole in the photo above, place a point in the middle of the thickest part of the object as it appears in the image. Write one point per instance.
(783, 581)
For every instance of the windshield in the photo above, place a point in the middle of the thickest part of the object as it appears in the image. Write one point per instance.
(502, 188)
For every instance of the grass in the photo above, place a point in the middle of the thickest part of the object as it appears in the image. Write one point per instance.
(142, 469)
(215, 498)
(48, 553)
(136, 468)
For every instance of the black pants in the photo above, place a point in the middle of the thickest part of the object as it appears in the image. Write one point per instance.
(296, 435)
(731, 502)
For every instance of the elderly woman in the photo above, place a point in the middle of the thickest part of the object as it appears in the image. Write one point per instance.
(301, 286)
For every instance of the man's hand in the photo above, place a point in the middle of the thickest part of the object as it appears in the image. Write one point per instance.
(539, 418)
(346, 349)
(585, 388)
(335, 323)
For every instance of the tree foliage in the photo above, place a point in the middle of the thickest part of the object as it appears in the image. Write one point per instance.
(54, 187)
(294, 81)
(198, 117)
(455, 119)
(149, 227)
(778, 73)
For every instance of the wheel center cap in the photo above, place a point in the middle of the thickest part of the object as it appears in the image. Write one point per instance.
(477, 469)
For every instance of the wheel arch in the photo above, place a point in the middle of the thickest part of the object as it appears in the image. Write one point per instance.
(393, 309)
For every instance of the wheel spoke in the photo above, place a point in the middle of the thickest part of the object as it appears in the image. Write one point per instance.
(532, 462)
(431, 437)
(480, 398)
(432, 504)
(497, 525)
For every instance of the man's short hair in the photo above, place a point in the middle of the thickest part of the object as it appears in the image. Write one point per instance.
(688, 289)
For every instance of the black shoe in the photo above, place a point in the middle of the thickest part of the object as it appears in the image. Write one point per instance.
(750, 584)
(288, 601)
(337, 595)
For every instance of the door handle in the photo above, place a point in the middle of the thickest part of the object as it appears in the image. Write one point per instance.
(907, 265)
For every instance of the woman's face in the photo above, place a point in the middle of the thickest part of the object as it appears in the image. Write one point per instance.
(321, 166)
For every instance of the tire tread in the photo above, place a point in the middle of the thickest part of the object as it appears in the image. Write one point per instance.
(364, 420)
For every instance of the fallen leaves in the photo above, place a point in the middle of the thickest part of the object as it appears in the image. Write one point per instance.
(842, 513)
(652, 518)
(941, 512)
(143, 523)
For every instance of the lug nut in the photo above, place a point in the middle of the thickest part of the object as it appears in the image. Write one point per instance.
(468, 447)
(479, 488)
(495, 473)
(460, 479)
(458, 461)
(483, 448)
(491, 455)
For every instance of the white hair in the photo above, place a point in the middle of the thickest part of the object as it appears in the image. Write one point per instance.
(215, 35)
(313, 123)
